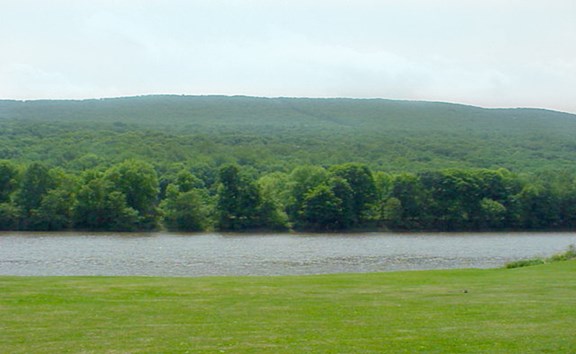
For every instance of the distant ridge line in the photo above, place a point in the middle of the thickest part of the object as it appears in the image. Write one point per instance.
(272, 98)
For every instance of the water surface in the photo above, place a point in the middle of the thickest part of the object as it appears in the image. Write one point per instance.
(170, 254)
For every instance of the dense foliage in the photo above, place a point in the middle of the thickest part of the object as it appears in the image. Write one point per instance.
(241, 163)
(279, 134)
(132, 196)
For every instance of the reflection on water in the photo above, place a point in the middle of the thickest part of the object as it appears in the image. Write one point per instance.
(169, 254)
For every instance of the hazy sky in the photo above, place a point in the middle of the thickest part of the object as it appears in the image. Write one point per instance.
(504, 53)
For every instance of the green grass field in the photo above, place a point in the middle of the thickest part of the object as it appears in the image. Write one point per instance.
(519, 310)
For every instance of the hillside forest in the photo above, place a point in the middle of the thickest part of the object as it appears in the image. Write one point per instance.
(188, 163)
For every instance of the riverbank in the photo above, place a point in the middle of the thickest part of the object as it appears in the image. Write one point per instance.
(524, 310)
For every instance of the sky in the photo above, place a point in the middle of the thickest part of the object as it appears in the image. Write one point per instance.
(489, 53)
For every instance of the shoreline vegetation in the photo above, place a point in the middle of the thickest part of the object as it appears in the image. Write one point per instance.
(134, 196)
(468, 310)
(567, 255)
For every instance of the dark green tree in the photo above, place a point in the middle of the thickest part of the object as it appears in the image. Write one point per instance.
(538, 208)
(8, 180)
(301, 181)
(100, 207)
(414, 200)
(138, 182)
(322, 210)
(36, 182)
(56, 210)
(9, 213)
(452, 196)
(364, 193)
(329, 206)
(185, 210)
(467, 199)
(9, 216)
(492, 215)
(56, 207)
(392, 213)
(343, 191)
(238, 201)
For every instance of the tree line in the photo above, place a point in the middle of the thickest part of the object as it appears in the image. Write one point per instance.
(135, 196)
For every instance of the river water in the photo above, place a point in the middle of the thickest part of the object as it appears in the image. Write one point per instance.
(172, 254)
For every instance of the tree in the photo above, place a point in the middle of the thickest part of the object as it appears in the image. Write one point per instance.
(138, 182)
(492, 214)
(453, 195)
(466, 199)
(364, 193)
(414, 200)
(538, 207)
(185, 210)
(56, 207)
(348, 209)
(274, 187)
(186, 203)
(392, 213)
(56, 210)
(271, 216)
(9, 213)
(301, 181)
(238, 201)
(100, 207)
(322, 209)
(328, 206)
(9, 216)
(36, 182)
(8, 180)
(186, 181)
(383, 182)
(568, 205)
(274, 194)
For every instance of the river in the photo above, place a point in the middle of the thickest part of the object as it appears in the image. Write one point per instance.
(192, 255)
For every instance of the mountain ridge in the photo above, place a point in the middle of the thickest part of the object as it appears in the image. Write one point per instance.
(343, 98)
(236, 111)
(284, 132)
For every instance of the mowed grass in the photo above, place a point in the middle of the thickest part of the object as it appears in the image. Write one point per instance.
(519, 310)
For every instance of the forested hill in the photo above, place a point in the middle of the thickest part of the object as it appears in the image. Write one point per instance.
(280, 133)
(253, 112)
(244, 163)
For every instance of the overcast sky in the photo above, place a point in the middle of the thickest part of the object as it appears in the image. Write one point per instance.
(491, 53)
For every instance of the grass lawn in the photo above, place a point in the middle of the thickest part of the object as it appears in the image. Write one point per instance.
(519, 310)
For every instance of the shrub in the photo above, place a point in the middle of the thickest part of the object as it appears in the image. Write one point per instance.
(564, 256)
(525, 263)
